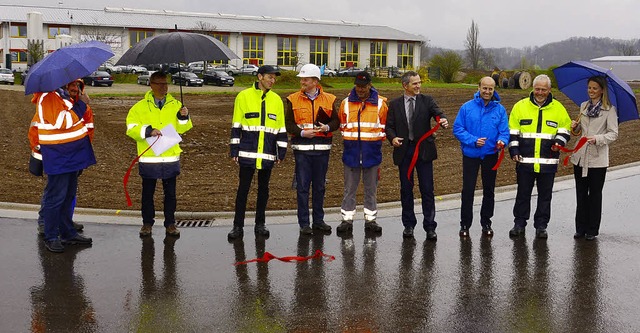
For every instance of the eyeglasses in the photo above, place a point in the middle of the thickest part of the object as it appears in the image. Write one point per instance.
(160, 83)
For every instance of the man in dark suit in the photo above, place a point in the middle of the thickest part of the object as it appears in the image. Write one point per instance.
(409, 118)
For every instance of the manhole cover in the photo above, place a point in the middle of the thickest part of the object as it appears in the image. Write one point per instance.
(194, 223)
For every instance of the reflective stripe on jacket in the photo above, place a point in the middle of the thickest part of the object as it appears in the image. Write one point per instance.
(258, 133)
(362, 125)
(305, 114)
(534, 130)
(62, 138)
(144, 114)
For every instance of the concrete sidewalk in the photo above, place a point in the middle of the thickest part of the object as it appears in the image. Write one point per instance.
(332, 214)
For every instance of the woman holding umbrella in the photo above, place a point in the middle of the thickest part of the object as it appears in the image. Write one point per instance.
(598, 123)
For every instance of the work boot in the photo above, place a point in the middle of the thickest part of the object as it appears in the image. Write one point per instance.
(345, 227)
(372, 226)
(235, 233)
(145, 231)
(306, 230)
(78, 240)
(78, 226)
(516, 232)
(54, 246)
(172, 230)
(542, 233)
(261, 230)
(321, 227)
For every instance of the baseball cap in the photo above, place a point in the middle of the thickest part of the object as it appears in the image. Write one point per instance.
(363, 78)
(266, 69)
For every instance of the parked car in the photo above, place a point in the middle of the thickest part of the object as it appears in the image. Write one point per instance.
(198, 67)
(133, 69)
(6, 76)
(219, 78)
(174, 68)
(111, 69)
(351, 71)
(329, 72)
(98, 78)
(145, 78)
(228, 68)
(23, 75)
(249, 69)
(186, 79)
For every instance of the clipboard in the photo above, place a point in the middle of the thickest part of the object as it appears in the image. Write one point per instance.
(322, 117)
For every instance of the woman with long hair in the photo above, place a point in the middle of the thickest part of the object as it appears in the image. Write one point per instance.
(598, 122)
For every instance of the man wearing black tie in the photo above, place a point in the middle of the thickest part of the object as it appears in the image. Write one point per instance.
(408, 120)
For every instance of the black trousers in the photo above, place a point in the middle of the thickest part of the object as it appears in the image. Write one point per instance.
(246, 177)
(470, 168)
(589, 199)
(522, 207)
(148, 206)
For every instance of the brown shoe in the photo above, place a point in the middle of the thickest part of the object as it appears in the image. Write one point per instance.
(145, 231)
(172, 230)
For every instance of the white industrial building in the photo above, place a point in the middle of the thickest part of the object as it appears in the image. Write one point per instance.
(257, 40)
(625, 67)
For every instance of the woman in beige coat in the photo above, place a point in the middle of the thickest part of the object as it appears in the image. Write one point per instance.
(598, 122)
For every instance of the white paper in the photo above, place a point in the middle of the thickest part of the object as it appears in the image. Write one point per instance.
(168, 139)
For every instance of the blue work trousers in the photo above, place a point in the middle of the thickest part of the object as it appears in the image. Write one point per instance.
(311, 171)
(58, 198)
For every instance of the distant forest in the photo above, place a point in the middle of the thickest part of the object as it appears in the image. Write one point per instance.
(545, 56)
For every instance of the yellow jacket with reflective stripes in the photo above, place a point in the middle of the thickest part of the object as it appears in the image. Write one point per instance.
(258, 133)
(534, 130)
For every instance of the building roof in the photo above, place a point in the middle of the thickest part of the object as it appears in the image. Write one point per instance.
(166, 19)
(617, 58)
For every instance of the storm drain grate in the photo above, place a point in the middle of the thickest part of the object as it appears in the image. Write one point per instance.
(194, 223)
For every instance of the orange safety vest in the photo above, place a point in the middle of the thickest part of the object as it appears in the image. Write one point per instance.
(55, 121)
(305, 113)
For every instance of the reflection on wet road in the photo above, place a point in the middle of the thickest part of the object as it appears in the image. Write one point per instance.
(379, 284)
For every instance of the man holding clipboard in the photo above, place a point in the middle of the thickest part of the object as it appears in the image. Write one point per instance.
(310, 117)
(147, 122)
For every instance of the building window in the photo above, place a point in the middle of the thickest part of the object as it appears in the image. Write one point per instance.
(18, 30)
(224, 38)
(287, 51)
(54, 31)
(319, 51)
(405, 55)
(137, 35)
(253, 51)
(349, 53)
(378, 55)
(18, 55)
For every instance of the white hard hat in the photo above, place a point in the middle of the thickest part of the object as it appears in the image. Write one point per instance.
(309, 70)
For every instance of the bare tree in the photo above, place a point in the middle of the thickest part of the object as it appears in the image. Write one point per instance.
(425, 49)
(102, 35)
(474, 50)
(628, 48)
(205, 27)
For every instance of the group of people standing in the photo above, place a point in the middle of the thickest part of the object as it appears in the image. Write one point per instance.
(534, 132)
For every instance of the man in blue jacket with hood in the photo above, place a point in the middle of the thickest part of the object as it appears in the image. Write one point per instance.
(482, 127)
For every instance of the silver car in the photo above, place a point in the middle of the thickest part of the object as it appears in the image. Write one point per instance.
(145, 78)
(6, 76)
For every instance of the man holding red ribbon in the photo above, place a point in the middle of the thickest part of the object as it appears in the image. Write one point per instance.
(539, 125)
(409, 131)
(482, 127)
(146, 118)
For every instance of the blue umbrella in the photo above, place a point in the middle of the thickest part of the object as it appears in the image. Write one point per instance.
(65, 65)
(573, 77)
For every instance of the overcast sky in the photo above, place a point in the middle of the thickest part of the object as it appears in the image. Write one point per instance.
(501, 23)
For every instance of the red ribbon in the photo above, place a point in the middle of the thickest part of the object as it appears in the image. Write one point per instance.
(268, 256)
(499, 147)
(580, 144)
(125, 180)
(414, 159)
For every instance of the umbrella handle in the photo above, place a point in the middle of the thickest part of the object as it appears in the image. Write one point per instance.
(577, 131)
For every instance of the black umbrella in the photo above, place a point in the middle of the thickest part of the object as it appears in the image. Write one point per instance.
(176, 47)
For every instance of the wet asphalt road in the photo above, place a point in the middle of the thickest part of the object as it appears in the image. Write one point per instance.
(384, 284)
